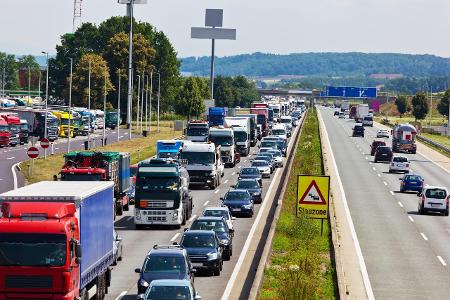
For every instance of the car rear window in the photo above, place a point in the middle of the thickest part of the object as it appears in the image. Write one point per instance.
(436, 193)
(384, 149)
(413, 177)
(378, 143)
(400, 159)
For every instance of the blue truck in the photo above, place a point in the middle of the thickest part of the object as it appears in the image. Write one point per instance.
(168, 148)
(68, 226)
(217, 115)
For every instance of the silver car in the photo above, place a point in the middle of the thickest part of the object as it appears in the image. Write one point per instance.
(263, 167)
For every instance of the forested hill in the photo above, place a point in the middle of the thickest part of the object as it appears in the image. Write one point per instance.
(321, 64)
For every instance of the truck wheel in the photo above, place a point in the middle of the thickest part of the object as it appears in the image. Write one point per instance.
(84, 294)
(138, 226)
(126, 207)
(184, 219)
(101, 288)
(119, 210)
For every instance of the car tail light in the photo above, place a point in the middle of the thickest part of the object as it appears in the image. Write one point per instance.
(407, 165)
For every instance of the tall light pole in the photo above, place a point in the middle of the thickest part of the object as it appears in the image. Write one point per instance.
(89, 105)
(46, 104)
(150, 105)
(29, 83)
(104, 115)
(138, 100)
(3, 79)
(146, 106)
(70, 103)
(118, 108)
(159, 94)
(142, 102)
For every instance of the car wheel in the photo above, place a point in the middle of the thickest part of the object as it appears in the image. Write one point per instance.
(375, 160)
(421, 210)
(138, 226)
(446, 212)
(216, 271)
(390, 171)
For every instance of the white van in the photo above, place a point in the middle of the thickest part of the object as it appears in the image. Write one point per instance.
(433, 198)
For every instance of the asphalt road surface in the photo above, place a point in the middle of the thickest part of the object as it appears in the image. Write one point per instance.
(12, 155)
(406, 254)
(137, 243)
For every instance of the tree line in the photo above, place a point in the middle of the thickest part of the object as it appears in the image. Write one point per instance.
(419, 107)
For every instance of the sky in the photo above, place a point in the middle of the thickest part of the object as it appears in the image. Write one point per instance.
(270, 26)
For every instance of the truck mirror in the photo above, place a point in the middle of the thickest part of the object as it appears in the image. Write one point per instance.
(419, 194)
(78, 251)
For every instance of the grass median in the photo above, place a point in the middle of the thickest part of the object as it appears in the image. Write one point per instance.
(300, 265)
(139, 149)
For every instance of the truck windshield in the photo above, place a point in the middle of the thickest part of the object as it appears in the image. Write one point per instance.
(173, 155)
(240, 136)
(261, 119)
(202, 158)
(29, 249)
(14, 128)
(156, 183)
(52, 122)
(81, 177)
(4, 128)
(64, 121)
(221, 140)
(24, 127)
(168, 292)
(196, 131)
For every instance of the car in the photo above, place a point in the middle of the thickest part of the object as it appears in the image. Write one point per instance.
(294, 121)
(204, 249)
(341, 115)
(399, 164)
(358, 130)
(383, 133)
(220, 227)
(336, 113)
(375, 145)
(267, 157)
(383, 153)
(411, 182)
(220, 211)
(278, 157)
(252, 186)
(250, 173)
(239, 202)
(164, 289)
(281, 143)
(278, 130)
(433, 199)
(117, 247)
(164, 262)
(263, 167)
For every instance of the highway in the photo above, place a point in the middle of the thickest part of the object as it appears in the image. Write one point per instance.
(13, 155)
(406, 254)
(137, 243)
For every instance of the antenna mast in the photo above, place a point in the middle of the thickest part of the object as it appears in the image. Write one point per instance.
(76, 12)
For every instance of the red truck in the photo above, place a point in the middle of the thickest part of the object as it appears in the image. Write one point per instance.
(13, 122)
(262, 118)
(4, 133)
(260, 105)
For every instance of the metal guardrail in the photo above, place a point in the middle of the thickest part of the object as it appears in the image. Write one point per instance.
(435, 144)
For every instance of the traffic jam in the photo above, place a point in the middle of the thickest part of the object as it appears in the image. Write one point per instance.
(402, 137)
(51, 228)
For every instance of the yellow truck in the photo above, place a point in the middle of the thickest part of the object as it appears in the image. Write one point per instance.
(63, 117)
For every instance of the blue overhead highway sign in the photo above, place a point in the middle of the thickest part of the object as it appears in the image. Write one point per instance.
(349, 92)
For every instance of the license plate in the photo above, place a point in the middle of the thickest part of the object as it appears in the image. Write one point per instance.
(413, 182)
(435, 205)
(197, 265)
(235, 209)
(384, 154)
(400, 165)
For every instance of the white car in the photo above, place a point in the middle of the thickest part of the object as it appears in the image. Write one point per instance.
(433, 198)
(399, 164)
(278, 157)
(279, 130)
(383, 133)
(220, 211)
(263, 167)
(265, 149)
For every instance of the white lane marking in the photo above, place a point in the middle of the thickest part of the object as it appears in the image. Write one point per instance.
(399, 203)
(385, 183)
(12, 157)
(206, 203)
(411, 219)
(1, 179)
(121, 295)
(175, 237)
(441, 260)
(245, 160)
(129, 218)
(426, 157)
(216, 191)
(367, 158)
(424, 236)
(362, 264)
(192, 218)
(13, 170)
(239, 167)
(392, 193)
(234, 173)
(379, 175)
(225, 181)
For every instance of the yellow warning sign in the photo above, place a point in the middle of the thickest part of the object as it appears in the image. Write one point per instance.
(313, 196)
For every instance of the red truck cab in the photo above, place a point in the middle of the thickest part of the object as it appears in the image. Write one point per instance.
(5, 135)
(262, 118)
(40, 253)
(13, 122)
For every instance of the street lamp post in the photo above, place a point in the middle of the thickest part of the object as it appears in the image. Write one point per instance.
(150, 105)
(142, 102)
(104, 116)
(118, 108)
(46, 104)
(70, 103)
(146, 106)
(89, 105)
(29, 83)
(138, 100)
(3, 80)
(159, 94)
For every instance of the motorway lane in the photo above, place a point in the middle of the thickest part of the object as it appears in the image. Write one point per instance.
(405, 253)
(12, 155)
(138, 243)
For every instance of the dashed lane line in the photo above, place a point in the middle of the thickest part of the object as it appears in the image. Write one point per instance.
(121, 295)
(206, 203)
(424, 236)
(192, 218)
(385, 183)
(400, 204)
(392, 193)
(218, 190)
(441, 260)
(411, 219)
(175, 237)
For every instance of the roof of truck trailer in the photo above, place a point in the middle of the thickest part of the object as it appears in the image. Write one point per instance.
(57, 190)
(199, 147)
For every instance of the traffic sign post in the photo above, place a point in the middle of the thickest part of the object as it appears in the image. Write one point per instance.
(313, 197)
(32, 153)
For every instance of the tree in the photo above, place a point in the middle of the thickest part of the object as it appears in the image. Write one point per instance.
(8, 63)
(30, 68)
(402, 105)
(419, 106)
(99, 69)
(442, 106)
(190, 101)
(223, 92)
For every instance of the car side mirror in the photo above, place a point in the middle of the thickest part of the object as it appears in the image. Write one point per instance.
(419, 194)
(233, 186)
(137, 270)
(194, 271)
(231, 230)
(118, 239)
(221, 198)
(400, 179)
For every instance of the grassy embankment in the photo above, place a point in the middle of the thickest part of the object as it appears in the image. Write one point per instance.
(139, 148)
(300, 266)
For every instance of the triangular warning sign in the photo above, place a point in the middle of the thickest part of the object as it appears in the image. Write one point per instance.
(312, 195)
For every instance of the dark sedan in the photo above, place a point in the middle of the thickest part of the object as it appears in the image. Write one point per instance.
(250, 173)
(252, 186)
(383, 153)
(239, 202)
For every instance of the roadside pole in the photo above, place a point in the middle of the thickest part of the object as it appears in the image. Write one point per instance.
(104, 116)
(70, 104)
(89, 106)
(118, 108)
(159, 94)
(138, 104)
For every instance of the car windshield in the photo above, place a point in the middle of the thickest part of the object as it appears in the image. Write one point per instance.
(156, 183)
(221, 140)
(29, 249)
(376, 144)
(260, 157)
(260, 163)
(279, 132)
(217, 226)
(249, 171)
(383, 149)
(436, 193)
(240, 136)
(286, 120)
(275, 153)
(268, 144)
(236, 195)
(200, 158)
(412, 178)
(197, 131)
(400, 159)
(198, 241)
(168, 293)
(167, 264)
(216, 213)
(247, 184)
(266, 154)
